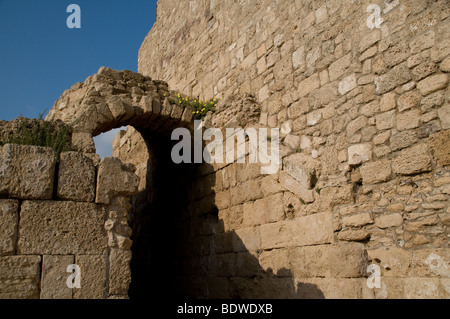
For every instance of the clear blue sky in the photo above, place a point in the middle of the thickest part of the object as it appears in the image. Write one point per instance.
(40, 56)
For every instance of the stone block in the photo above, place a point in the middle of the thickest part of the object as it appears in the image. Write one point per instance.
(339, 67)
(376, 172)
(412, 160)
(422, 288)
(385, 120)
(393, 262)
(336, 261)
(357, 220)
(93, 277)
(115, 179)
(359, 153)
(432, 84)
(403, 139)
(347, 84)
(119, 272)
(430, 263)
(307, 230)
(369, 39)
(440, 147)
(292, 185)
(408, 120)
(353, 235)
(9, 222)
(61, 228)
(408, 100)
(391, 220)
(276, 261)
(246, 239)
(54, 277)
(444, 115)
(76, 178)
(268, 210)
(308, 85)
(390, 80)
(27, 172)
(303, 168)
(19, 277)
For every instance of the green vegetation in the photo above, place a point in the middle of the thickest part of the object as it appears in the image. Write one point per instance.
(39, 132)
(199, 108)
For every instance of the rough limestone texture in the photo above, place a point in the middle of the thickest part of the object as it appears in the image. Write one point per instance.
(27, 172)
(54, 277)
(76, 178)
(93, 277)
(9, 222)
(115, 179)
(19, 277)
(61, 228)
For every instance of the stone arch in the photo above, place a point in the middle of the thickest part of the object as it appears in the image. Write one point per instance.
(112, 99)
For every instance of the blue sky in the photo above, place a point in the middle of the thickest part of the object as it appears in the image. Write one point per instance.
(40, 56)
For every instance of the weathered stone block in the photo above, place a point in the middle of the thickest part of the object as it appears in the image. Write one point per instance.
(337, 261)
(376, 172)
(359, 153)
(432, 84)
(302, 168)
(408, 100)
(292, 185)
(76, 177)
(408, 120)
(307, 230)
(9, 222)
(277, 261)
(93, 277)
(369, 39)
(19, 277)
(308, 85)
(430, 263)
(390, 80)
(115, 179)
(391, 220)
(119, 272)
(61, 228)
(385, 120)
(54, 277)
(357, 220)
(247, 239)
(403, 139)
(412, 160)
(353, 234)
(394, 262)
(422, 288)
(268, 210)
(27, 172)
(440, 147)
(339, 67)
(347, 84)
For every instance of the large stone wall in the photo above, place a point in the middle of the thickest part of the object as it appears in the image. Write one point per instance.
(364, 175)
(56, 214)
(365, 118)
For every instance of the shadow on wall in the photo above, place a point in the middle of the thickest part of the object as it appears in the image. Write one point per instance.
(180, 249)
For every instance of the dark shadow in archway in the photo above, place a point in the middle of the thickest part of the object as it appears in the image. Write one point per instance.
(176, 251)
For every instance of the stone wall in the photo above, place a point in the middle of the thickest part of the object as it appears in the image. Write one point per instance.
(364, 116)
(56, 214)
(364, 176)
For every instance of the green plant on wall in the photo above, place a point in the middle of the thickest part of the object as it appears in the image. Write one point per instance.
(199, 108)
(39, 132)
